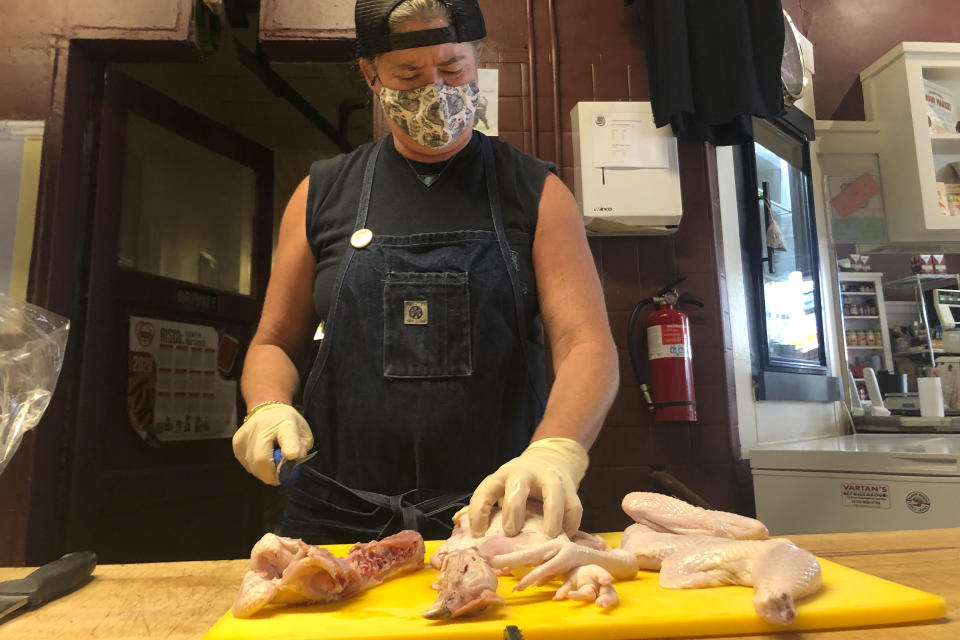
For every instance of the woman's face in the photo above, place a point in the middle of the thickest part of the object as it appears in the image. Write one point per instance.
(452, 63)
(435, 129)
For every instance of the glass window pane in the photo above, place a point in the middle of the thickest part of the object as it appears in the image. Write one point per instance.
(791, 312)
(187, 212)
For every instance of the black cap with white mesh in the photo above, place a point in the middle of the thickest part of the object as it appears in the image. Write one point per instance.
(373, 29)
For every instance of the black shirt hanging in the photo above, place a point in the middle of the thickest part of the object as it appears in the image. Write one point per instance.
(712, 65)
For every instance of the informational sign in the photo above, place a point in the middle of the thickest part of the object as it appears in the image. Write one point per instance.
(855, 494)
(176, 389)
(628, 140)
(488, 111)
(667, 341)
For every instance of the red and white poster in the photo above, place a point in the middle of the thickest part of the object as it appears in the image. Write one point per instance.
(175, 388)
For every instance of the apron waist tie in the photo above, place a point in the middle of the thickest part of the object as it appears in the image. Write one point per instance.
(411, 514)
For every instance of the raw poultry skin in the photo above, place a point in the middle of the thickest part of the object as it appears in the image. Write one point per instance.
(290, 571)
(651, 547)
(694, 547)
(778, 570)
(552, 557)
(466, 586)
(670, 515)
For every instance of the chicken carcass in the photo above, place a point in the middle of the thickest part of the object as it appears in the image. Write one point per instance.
(779, 572)
(290, 571)
(466, 586)
(670, 515)
(459, 581)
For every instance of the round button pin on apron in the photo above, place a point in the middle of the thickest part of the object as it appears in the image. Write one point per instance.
(361, 238)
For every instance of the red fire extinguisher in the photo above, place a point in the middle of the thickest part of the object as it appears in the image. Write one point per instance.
(671, 360)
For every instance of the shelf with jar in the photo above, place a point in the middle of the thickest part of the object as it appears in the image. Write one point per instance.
(865, 337)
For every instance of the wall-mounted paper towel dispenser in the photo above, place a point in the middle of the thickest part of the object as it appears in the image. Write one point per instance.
(626, 175)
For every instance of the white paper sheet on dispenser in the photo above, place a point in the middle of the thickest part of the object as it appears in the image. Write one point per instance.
(623, 140)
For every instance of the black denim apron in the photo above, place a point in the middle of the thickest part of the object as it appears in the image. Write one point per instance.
(425, 382)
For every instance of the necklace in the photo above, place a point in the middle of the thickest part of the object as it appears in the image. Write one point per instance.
(428, 179)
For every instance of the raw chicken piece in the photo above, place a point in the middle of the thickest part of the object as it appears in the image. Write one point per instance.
(377, 559)
(780, 572)
(290, 571)
(560, 556)
(651, 547)
(669, 515)
(495, 542)
(467, 586)
(530, 547)
(590, 583)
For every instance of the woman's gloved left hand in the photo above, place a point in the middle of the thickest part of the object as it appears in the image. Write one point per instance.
(549, 470)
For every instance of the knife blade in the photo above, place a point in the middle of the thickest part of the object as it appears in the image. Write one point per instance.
(47, 583)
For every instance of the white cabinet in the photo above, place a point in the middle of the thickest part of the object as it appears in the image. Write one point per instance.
(912, 159)
(865, 335)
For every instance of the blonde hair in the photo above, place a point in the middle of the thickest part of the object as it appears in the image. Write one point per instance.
(422, 10)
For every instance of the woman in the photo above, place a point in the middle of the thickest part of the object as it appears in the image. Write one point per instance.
(432, 256)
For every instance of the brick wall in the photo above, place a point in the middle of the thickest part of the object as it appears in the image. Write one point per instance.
(586, 54)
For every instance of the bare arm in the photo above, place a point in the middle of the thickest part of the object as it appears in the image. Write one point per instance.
(575, 319)
(288, 320)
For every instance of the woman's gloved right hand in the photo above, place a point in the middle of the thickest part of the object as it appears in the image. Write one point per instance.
(264, 429)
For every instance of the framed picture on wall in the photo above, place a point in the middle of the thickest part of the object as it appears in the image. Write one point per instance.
(856, 208)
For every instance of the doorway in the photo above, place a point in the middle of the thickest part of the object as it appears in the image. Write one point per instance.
(193, 164)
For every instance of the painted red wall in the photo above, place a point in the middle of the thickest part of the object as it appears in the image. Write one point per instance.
(849, 35)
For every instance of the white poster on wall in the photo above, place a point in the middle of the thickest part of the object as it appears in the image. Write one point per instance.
(488, 111)
(175, 385)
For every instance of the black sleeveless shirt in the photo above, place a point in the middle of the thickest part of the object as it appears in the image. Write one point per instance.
(402, 204)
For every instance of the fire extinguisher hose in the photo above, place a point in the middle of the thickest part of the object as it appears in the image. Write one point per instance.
(632, 341)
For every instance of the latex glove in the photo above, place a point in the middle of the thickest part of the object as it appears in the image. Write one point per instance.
(549, 470)
(253, 443)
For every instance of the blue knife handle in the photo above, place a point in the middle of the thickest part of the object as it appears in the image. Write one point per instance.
(289, 472)
(53, 579)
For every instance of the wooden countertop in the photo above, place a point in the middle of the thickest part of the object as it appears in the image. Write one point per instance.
(180, 600)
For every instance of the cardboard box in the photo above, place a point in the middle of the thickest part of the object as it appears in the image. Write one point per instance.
(939, 100)
(942, 199)
(928, 263)
(952, 196)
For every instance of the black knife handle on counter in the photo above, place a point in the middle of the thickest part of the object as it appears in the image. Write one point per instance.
(53, 579)
(511, 632)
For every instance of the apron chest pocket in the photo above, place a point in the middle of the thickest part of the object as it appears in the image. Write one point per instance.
(426, 325)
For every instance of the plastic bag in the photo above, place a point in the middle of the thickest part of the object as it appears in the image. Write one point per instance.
(32, 343)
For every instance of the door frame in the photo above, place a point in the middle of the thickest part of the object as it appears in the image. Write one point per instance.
(35, 486)
(111, 289)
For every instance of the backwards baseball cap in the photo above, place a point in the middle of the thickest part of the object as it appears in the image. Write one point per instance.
(373, 28)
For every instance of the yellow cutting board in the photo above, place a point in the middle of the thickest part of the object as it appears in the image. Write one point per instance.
(848, 598)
